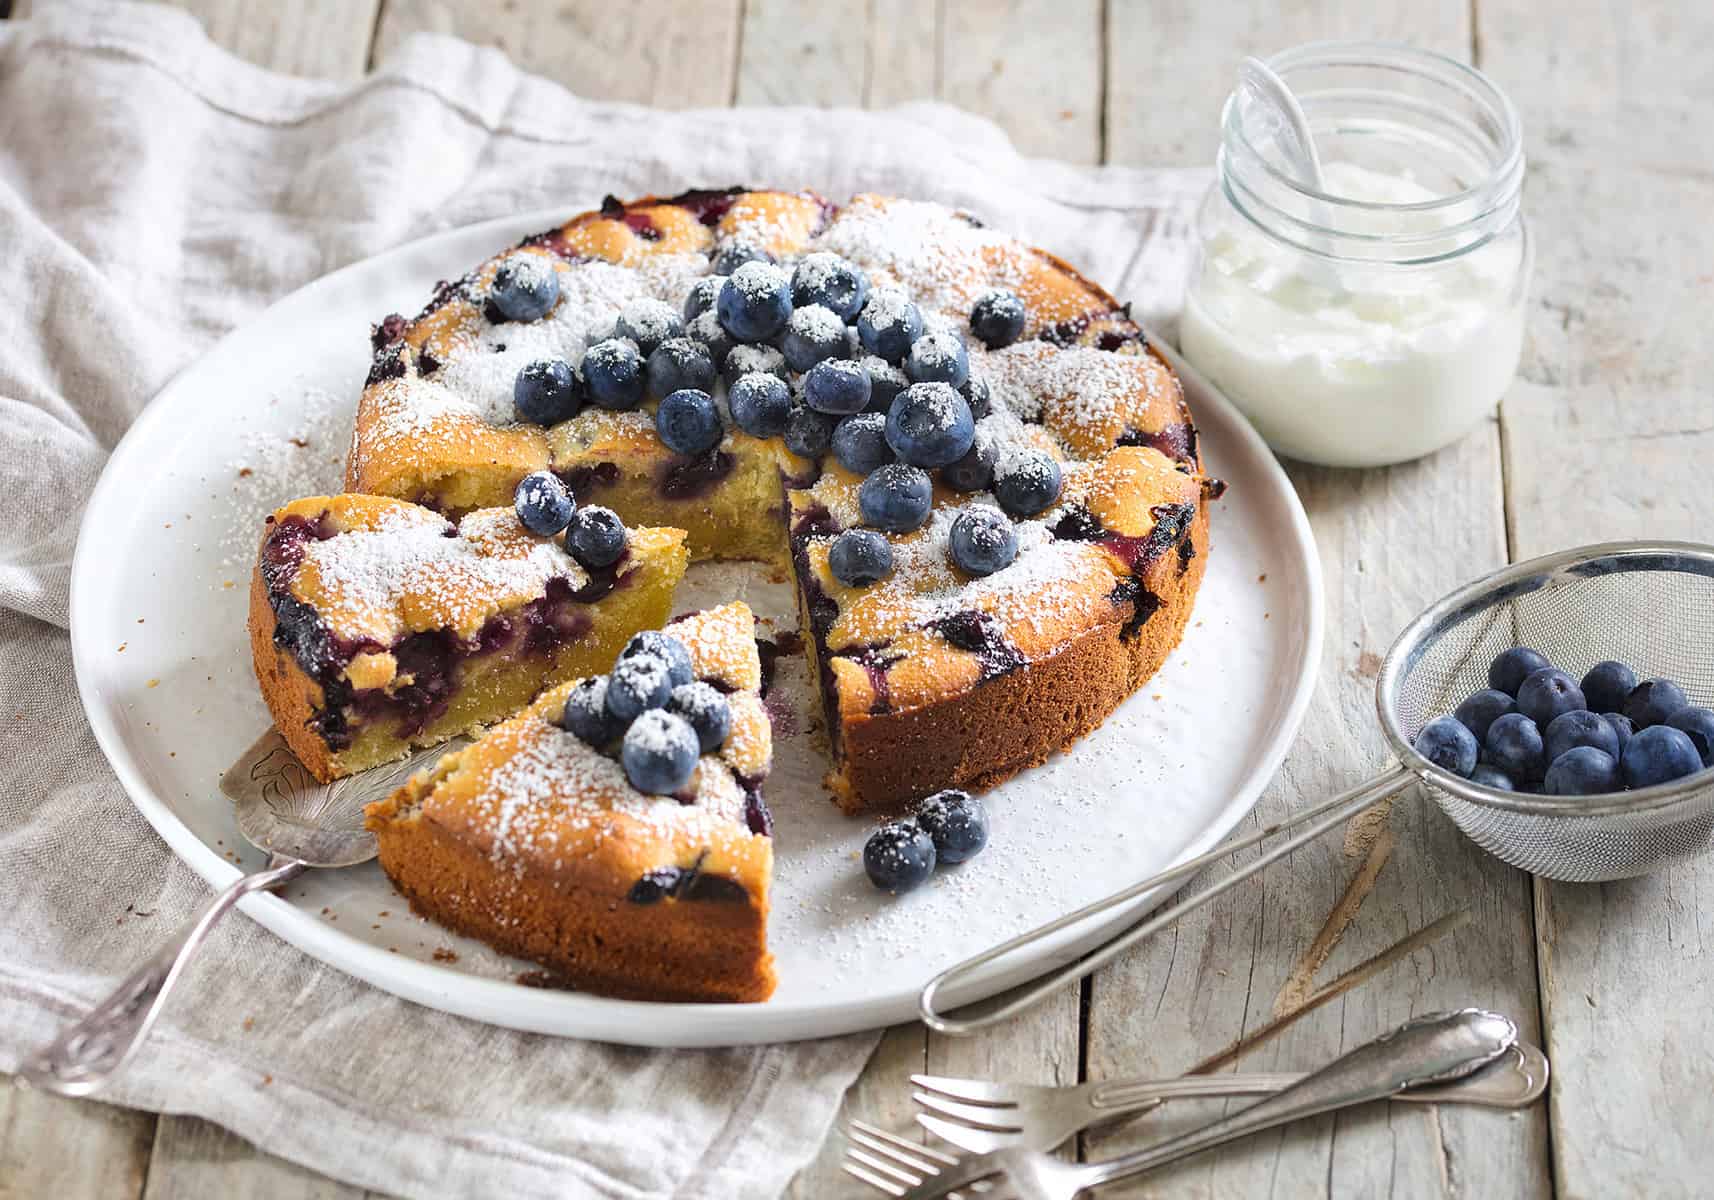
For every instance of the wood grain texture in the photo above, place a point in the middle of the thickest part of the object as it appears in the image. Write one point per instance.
(1033, 66)
(70, 1149)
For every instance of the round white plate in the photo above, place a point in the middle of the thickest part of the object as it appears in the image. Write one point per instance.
(159, 589)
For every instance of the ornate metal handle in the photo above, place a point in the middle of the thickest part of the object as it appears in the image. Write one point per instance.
(88, 1054)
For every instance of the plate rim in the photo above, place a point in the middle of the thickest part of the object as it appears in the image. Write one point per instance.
(506, 1003)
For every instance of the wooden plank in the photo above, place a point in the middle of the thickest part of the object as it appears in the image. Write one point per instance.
(904, 52)
(69, 1149)
(1032, 66)
(193, 1159)
(664, 53)
(794, 54)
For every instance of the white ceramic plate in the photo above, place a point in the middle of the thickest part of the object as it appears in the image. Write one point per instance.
(158, 604)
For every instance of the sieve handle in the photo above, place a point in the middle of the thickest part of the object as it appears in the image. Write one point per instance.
(1319, 820)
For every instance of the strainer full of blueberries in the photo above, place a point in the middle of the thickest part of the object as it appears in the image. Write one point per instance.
(1560, 711)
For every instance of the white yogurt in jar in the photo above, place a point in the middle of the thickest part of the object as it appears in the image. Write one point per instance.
(1357, 364)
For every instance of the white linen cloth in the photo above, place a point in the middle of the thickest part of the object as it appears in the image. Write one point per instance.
(155, 192)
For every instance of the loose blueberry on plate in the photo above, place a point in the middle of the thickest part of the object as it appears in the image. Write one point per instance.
(760, 404)
(1652, 701)
(735, 254)
(637, 684)
(1447, 744)
(978, 396)
(702, 296)
(1582, 771)
(899, 856)
(688, 422)
(648, 323)
(889, 324)
(706, 328)
(753, 358)
(659, 753)
(983, 541)
(596, 537)
(812, 334)
(1698, 725)
(665, 647)
(1606, 684)
(938, 357)
(896, 497)
(975, 471)
(1026, 482)
(1482, 709)
(997, 318)
(586, 714)
(832, 282)
(809, 433)
(956, 822)
(1658, 754)
(859, 557)
(1621, 726)
(755, 303)
(546, 392)
(525, 287)
(1493, 777)
(930, 425)
(1511, 667)
(543, 503)
(1546, 693)
(886, 381)
(1569, 730)
(837, 386)
(860, 443)
(676, 363)
(705, 710)
(613, 373)
(1515, 746)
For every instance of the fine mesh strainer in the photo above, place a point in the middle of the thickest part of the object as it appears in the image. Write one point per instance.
(1649, 604)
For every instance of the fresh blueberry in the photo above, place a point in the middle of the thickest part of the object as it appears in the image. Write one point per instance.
(812, 334)
(665, 647)
(637, 684)
(525, 287)
(956, 822)
(889, 324)
(1492, 777)
(688, 422)
(676, 363)
(997, 318)
(1482, 709)
(543, 503)
(756, 302)
(832, 282)
(860, 443)
(974, 472)
(886, 381)
(1606, 685)
(546, 392)
(1511, 667)
(702, 296)
(705, 710)
(1653, 701)
(1026, 482)
(1698, 725)
(930, 425)
(648, 323)
(735, 254)
(896, 497)
(760, 404)
(1622, 728)
(809, 433)
(1582, 771)
(1447, 744)
(659, 753)
(899, 856)
(838, 386)
(978, 396)
(613, 373)
(752, 358)
(1569, 730)
(706, 328)
(1546, 693)
(983, 540)
(938, 357)
(1514, 746)
(859, 557)
(586, 713)
(1658, 754)
(596, 537)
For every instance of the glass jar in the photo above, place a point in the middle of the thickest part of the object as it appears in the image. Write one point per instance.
(1381, 317)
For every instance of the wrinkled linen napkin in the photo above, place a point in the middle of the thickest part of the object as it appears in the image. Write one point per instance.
(154, 193)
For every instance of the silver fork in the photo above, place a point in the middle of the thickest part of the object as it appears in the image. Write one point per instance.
(981, 1117)
(1432, 1049)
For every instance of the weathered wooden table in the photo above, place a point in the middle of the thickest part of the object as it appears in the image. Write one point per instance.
(1609, 432)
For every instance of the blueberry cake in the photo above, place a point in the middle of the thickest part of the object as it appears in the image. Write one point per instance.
(984, 480)
(614, 831)
(377, 625)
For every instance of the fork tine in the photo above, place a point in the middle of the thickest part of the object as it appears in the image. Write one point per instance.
(996, 1119)
(889, 1169)
(892, 1144)
(967, 1137)
(971, 1091)
(874, 1181)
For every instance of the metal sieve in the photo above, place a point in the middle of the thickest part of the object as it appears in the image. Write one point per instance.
(1649, 604)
